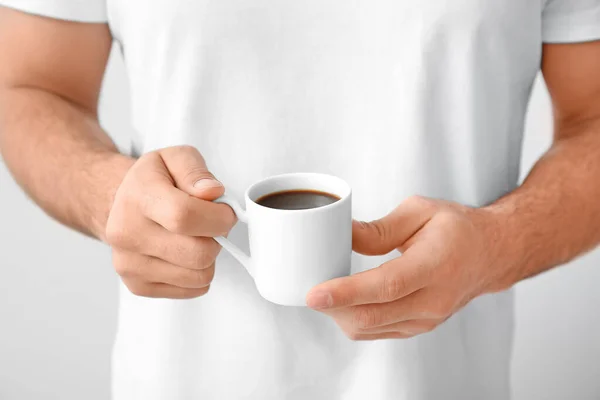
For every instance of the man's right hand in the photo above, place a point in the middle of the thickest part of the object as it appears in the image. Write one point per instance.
(162, 223)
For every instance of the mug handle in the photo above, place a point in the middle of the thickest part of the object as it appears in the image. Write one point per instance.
(235, 251)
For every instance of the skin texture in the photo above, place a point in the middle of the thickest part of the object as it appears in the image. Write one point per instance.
(159, 223)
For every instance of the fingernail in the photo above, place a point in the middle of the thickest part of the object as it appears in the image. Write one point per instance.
(207, 183)
(319, 300)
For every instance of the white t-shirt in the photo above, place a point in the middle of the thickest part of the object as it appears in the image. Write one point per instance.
(396, 97)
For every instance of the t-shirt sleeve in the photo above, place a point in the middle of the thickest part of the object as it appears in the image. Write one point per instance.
(72, 10)
(569, 21)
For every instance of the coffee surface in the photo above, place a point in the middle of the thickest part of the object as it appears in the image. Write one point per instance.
(297, 199)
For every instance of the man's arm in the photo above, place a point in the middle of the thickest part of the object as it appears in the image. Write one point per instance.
(555, 215)
(50, 138)
(156, 212)
(452, 253)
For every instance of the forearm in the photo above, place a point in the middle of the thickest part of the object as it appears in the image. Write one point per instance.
(555, 215)
(61, 157)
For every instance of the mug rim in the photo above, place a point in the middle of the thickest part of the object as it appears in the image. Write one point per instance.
(344, 198)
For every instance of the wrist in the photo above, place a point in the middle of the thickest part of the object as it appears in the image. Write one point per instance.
(505, 249)
(110, 170)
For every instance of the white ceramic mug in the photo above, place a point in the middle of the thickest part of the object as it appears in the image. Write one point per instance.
(291, 251)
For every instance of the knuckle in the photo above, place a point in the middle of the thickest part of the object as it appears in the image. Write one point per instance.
(192, 293)
(138, 289)
(392, 287)
(410, 328)
(383, 230)
(419, 328)
(419, 201)
(202, 291)
(205, 256)
(186, 148)
(209, 274)
(152, 155)
(202, 278)
(428, 327)
(353, 335)
(401, 335)
(177, 216)
(443, 310)
(203, 259)
(121, 269)
(195, 252)
(116, 232)
(120, 266)
(365, 318)
(448, 218)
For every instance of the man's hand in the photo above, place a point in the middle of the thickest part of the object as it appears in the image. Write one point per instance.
(162, 223)
(453, 253)
(447, 259)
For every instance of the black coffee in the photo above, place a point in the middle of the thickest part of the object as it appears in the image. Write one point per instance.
(297, 199)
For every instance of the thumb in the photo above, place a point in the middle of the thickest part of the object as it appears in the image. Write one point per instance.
(373, 238)
(392, 231)
(190, 173)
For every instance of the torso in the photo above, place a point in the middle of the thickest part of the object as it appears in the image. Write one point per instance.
(397, 98)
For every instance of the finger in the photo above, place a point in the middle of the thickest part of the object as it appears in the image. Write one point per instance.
(150, 269)
(160, 271)
(390, 232)
(185, 251)
(140, 235)
(372, 316)
(379, 336)
(161, 290)
(181, 213)
(409, 328)
(160, 201)
(190, 173)
(390, 281)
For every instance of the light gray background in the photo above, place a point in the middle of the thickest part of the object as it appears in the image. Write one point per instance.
(58, 296)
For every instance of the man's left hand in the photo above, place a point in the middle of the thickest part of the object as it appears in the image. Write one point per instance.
(450, 254)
